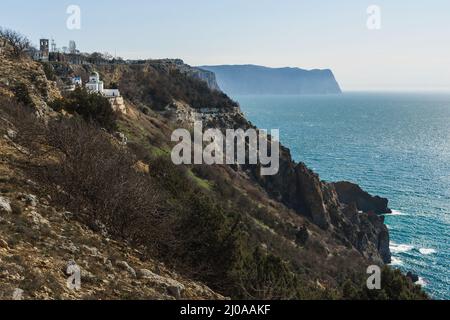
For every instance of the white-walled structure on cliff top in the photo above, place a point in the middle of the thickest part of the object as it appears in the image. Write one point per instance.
(95, 85)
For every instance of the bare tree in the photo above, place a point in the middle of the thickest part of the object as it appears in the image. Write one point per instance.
(19, 43)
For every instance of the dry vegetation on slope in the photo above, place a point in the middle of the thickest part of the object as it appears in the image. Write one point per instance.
(131, 209)
(38, 240)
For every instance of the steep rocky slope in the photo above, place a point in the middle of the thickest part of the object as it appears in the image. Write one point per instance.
(295, 185)
(298, 221)
(302, 190)
(39, 241)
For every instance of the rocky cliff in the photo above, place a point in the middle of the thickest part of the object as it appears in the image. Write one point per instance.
(292, 228)
(301, 189)
(296, 186)
(350, 193)
(204, 75)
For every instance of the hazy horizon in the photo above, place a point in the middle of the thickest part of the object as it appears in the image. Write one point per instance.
(409, 52)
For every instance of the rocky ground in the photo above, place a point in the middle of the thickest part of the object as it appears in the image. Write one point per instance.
(16, 73)
(301, 219)
(39, 242)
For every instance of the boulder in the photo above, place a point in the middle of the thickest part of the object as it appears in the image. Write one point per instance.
(5, 205)
(174, 291)
(125, 266)
(122, 138)
(92, 251)
(29, 199)
(109, 266)
(38, 220)
(173, 287)
(146, 274)
(18, 294)
(11, 133)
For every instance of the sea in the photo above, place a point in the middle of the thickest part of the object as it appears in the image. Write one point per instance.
(395, 145)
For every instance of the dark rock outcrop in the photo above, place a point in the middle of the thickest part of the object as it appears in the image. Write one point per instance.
(302, 190)
(297, 187)
(302, 236)
(413, 277)
(350, 193)
(310, 197)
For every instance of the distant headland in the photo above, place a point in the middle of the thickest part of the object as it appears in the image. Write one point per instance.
(253, 79)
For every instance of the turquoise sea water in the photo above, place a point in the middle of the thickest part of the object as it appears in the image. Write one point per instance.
(394, 145)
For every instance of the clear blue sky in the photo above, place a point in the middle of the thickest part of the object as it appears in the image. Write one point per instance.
(411, 51)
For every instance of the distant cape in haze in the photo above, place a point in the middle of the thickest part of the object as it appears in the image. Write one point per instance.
(252, 79)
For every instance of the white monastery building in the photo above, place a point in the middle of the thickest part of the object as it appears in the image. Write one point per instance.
(113, 95)
(96, 85)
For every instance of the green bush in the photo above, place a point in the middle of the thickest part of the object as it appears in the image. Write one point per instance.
(49, 71)
(91, 106)
(394, 286)
(22, 94)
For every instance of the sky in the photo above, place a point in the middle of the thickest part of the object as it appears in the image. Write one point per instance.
(411, 51)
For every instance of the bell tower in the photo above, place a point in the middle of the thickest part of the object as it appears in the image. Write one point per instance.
(44, 49)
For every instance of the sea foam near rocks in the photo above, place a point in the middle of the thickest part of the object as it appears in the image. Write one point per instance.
(426, 251)
(397, 213)
(421, 282)
(400, 248)
(396, 262)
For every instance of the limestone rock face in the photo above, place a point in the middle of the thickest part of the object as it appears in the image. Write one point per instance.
(29, 78)
(183, 113)
(207, 76)
(299, 188)
(118, 104)
(311, 197)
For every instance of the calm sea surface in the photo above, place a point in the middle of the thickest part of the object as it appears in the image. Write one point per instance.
(393, 145)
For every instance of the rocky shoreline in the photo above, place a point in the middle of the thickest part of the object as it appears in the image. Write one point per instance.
(343, 208)
(350, 193)
(358, 223)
